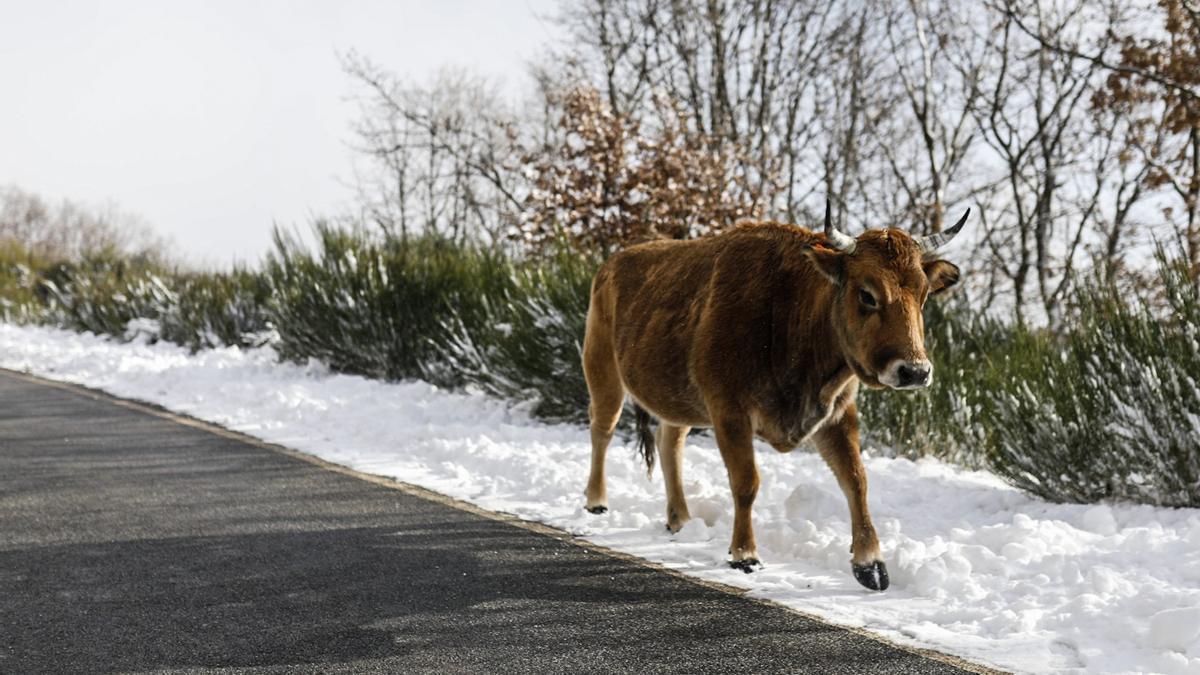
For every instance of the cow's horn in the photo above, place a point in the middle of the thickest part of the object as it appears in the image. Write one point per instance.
(839, 240)
(932, 242)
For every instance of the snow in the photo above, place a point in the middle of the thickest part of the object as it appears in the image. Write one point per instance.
(977, 569)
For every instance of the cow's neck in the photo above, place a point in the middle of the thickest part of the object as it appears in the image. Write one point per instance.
(812, 378)
(814, 344)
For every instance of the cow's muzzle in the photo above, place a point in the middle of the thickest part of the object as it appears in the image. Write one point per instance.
(908, 374)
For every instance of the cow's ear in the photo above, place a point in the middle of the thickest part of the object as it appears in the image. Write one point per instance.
(942, 275)
(831, 263)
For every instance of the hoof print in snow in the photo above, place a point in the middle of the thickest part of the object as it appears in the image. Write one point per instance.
(596, 509)
(746, 565)
(873, 575)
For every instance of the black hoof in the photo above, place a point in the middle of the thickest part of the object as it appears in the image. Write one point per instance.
(872, 575)
(746, 565)
(596, 509)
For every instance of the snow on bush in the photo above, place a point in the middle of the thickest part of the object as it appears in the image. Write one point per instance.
(527, 346)
(370, 307)
(1114, 410)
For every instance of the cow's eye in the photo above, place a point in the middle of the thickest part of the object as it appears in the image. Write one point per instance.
(866, 298)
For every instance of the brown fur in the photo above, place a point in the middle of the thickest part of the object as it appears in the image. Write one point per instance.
(760, 331)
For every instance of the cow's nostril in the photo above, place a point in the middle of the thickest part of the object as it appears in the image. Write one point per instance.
(913, 376)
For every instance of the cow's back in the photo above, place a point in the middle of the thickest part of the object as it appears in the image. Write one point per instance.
(685, 317)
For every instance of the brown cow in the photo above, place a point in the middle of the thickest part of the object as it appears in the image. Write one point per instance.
(765, 330)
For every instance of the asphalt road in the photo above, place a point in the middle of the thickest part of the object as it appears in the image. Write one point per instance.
(134, 541)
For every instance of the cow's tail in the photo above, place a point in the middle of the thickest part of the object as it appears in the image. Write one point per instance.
(645, 436)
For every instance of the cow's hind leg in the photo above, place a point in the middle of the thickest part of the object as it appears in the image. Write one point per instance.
(607, 398)
(838, 443)
(735, 439)
(670, 451)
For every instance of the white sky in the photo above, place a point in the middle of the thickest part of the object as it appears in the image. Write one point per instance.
(213, 120)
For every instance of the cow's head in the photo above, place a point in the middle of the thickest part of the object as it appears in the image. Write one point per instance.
(883, 279)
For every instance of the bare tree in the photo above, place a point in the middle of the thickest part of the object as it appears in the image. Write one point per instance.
(70, 230)
(1032, 111)
(935, 61)
(611, 43)
(439, 159)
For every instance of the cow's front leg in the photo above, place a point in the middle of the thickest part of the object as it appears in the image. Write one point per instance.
(735, 438)
(838, 443)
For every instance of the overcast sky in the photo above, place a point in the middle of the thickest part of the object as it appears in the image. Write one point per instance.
(215, 119)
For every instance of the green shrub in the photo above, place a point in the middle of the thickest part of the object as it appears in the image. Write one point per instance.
(102, 294)
(209, 310)
(376, 307)
(19, 270)
(452, 314)
(1113, 409)
(526, 346)
(105, 291)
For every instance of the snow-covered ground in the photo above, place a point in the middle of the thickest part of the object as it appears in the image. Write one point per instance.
(978, 569)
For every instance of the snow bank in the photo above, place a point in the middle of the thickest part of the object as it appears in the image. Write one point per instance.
(977, 569)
